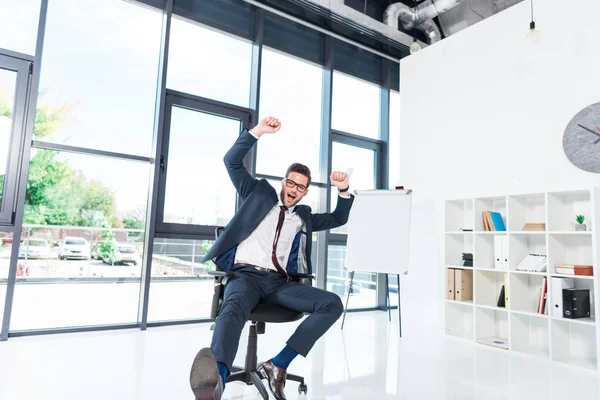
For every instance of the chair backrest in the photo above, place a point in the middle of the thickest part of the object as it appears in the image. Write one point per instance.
(217, 299)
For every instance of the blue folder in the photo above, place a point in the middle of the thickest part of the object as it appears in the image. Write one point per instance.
(498, 222)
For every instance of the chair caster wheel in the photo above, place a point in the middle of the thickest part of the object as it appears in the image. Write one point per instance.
(302, 388)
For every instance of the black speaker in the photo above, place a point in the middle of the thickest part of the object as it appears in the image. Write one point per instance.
(576, 303)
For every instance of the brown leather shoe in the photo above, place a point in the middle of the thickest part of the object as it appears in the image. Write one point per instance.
(276, 377)
(205, 380)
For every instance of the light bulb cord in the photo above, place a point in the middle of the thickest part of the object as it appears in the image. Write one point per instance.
(531, 10)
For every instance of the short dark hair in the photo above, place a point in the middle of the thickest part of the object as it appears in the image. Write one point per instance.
(301, 169)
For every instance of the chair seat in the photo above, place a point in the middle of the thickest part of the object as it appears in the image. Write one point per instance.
(271, 313)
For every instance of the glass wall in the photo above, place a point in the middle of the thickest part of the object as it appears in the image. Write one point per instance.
(19, 25)
(83, 231)
(83, 222)
(181, 289)
(80, 258)
(209, 63)
(98, 79)
(355, 106)
(291, 89)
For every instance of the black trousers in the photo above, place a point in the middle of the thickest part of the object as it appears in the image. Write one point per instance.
(248, 287)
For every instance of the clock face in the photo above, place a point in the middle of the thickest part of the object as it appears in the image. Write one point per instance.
(581, 140)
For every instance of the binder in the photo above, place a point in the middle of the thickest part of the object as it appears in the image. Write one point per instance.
(450, 293)
(558, 284)
(463, 283)
(498, 249)
(505, 253)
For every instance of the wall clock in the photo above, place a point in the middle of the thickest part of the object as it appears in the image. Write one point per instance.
(581, 140)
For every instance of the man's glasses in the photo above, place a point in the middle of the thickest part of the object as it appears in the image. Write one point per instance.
(290, 183)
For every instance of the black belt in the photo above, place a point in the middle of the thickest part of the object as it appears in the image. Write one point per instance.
(257, 268)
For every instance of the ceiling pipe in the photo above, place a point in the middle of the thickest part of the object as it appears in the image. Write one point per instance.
(419, 17)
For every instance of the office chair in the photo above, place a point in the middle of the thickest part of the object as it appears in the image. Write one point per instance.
(262, 314)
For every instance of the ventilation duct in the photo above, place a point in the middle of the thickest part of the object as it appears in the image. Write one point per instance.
(419, 17)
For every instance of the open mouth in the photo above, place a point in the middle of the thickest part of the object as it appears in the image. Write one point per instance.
(291, 198)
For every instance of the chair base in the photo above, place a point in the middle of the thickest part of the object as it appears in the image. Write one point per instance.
(255, 378)
(249, 375)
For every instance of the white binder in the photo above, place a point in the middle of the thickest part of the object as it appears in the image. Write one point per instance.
(498, 249)
(505, 253)
(558, 284)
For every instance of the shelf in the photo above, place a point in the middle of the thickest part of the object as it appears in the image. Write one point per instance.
(527, 232)
(530, 314)
(530, 334)
(488, 286)
(520, 246)
(529, 208)
(569, 249)
(494, 308)
(459, 215)
(495, 204)
(582, 321)
(564, 206)
(528, 273)
(459, 320)
(525, 292)
(490, 269)
(590, 278)
(462, 303)
(574, 344)
(491, 323)
(456, 245)
(574, 233)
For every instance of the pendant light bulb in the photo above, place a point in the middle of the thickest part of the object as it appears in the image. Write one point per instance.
(533, 36)
(415, 46)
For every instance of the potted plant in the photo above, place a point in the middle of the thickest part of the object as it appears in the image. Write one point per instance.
(580, 226)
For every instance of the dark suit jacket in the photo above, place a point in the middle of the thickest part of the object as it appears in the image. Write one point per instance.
(258, 198)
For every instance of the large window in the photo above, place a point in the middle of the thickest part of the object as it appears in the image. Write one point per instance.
(83, 231)
(14, 79)
(181, 289)
(208, 63)
(360, 163)
(355, 106)
(198, 188)
(19, 25)
(291, 91)
(98, 81)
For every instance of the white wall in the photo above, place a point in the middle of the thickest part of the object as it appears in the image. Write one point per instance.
(483, 113)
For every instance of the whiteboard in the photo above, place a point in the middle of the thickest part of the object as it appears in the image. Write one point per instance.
(379, 231)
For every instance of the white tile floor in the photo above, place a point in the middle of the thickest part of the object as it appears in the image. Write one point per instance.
(366, 361)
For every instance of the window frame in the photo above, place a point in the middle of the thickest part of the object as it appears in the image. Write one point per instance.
(203, 105)
(16, 135)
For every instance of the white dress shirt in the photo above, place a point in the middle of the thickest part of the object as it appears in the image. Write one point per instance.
(256, 249)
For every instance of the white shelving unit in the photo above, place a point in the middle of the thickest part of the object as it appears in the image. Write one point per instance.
(518, 326)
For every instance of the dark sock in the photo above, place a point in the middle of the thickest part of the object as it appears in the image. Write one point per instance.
(224, 372)
(283, 359)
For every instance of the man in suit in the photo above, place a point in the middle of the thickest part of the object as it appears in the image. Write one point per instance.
(267, 240)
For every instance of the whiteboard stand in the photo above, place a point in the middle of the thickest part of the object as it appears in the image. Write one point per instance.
(379, 238)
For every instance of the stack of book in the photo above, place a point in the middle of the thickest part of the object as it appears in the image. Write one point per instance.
(467, 259)
(492, 221)
(571, 269)
(534, 226)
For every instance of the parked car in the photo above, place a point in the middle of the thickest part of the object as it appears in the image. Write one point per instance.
(125, 253)
(34, 248)
(74, 248)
